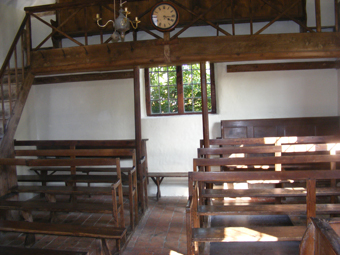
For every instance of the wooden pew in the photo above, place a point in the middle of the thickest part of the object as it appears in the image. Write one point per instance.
(141, 163)
(26, 207)
(321, 237)
(196, 208)
(130, 190)
(270, 146)
(273, 146)
(100, 233)
(69, 158)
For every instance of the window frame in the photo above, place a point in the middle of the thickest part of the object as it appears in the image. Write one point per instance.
(180, 93)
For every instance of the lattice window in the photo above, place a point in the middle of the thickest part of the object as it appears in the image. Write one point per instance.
(177, 89)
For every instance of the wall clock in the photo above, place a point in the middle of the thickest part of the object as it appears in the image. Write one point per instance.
(164, 16)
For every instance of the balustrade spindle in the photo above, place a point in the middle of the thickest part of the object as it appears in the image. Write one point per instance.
(9, 88)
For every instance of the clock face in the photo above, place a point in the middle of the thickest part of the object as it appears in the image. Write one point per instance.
(164, 16)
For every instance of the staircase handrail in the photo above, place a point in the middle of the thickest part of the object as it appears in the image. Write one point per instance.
(14, 43)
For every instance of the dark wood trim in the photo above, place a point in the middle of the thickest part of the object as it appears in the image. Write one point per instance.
(83, 77)
(282, 66)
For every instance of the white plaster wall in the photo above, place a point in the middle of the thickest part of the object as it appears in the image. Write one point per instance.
(10, 20)
(85, 110)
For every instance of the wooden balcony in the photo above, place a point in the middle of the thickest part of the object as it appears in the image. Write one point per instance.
(76, 24)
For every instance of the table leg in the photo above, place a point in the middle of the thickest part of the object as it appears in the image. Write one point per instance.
(158, 181)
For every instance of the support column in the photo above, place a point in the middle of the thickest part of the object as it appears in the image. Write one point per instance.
(205, 114)
(138, 137)
(204, 96)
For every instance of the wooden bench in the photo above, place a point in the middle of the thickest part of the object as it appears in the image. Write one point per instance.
(198, 193)
(116, 208)
(157, 178)
(140, 163)
(72, 178)
(321, 237)
(14, 250)
(255, 152)
(129, 190)
(100, 233)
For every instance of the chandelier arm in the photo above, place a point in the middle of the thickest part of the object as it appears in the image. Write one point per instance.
(106, 23)
(135, 26)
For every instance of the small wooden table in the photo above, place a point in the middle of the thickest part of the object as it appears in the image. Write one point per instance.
(158, 177)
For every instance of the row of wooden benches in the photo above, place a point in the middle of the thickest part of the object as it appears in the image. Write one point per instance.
(88, 164)
(305, 160)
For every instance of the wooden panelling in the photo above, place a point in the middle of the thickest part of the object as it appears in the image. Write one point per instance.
(313, 126)
(239, 11)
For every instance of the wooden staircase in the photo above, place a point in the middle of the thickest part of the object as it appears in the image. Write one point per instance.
(15, 83)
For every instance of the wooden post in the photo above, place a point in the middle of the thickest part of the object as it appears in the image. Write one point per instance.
(138, 136)
(204, 96)
(311, 199)
(318, 15)
(205, 114)
(28, 40)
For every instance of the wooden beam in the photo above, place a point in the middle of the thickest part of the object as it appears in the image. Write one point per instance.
(282, 66)
(186, 50)
(83, 77)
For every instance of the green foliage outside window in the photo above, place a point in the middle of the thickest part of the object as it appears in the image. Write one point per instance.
(164, 90)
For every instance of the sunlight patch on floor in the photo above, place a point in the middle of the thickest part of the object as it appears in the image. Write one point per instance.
(242, 234)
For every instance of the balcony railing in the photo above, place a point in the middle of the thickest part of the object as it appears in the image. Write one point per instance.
(76, 21)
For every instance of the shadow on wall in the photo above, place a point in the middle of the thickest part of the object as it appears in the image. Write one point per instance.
(216, 130)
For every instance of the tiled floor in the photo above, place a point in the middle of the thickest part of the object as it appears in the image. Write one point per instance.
(162, 229)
